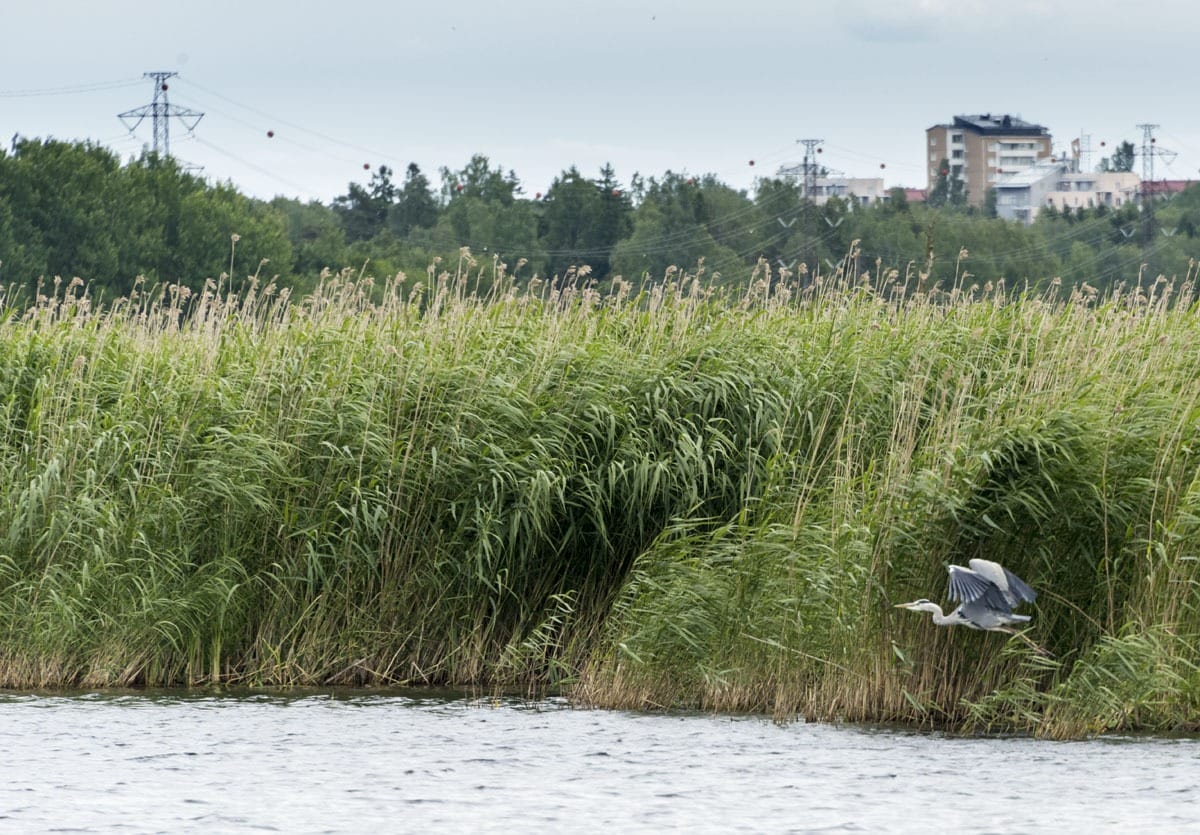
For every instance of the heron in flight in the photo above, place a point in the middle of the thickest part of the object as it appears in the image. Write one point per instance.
(987, 593)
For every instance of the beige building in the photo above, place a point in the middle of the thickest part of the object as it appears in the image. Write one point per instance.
(1080, 190)
(864, 191)
(981, 149)
(1021, 195)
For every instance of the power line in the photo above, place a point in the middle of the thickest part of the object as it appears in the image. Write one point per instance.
(93, 87)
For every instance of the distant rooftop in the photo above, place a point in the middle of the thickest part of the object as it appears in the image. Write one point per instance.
(999, 124)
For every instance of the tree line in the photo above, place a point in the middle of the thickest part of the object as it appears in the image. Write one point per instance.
(76, 209)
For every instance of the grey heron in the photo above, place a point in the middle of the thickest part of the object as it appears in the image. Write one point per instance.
(987, 593)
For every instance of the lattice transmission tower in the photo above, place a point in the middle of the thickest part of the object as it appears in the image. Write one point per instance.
(1150, 150)
(161, 112)
(809, 169)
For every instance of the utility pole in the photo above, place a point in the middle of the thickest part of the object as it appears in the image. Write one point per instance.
(808, 194)
(161, 111)
(810, 167)
(1150, 150)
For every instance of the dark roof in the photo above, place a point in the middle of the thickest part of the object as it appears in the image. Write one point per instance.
(999, 124)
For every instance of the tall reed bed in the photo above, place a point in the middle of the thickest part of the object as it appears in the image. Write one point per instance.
(664, 497)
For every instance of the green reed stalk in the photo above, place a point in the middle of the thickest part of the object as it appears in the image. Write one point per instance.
(665, 496)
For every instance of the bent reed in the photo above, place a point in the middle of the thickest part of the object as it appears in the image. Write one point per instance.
(656, 497)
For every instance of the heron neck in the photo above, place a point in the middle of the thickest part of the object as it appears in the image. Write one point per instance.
(939, 618)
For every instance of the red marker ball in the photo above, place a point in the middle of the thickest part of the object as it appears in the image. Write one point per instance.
(270, 134)
(366, 166)
(752, 162)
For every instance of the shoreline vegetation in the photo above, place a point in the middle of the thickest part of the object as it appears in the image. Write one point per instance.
(663, 496)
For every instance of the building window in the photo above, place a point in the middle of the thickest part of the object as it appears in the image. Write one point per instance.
(956, 138)
(956, 155)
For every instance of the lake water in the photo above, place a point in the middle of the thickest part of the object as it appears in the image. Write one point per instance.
(354, 762)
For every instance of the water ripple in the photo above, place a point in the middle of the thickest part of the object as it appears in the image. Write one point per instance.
(354, 762)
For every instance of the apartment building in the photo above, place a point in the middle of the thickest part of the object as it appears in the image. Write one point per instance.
(1021, 195)
(982, 148)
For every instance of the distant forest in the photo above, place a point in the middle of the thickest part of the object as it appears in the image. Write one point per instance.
(72, 209)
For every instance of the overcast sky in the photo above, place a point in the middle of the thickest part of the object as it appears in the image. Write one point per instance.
(539, 85)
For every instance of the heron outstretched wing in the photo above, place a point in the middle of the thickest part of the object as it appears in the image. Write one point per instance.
(969, 586)
(1018, 588)
(1014, 589)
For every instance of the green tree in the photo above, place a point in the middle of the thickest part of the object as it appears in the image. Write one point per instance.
(153, 190)
(671, 227)
(415, 205)
(316, 237)
(949, 188)
(478, 179)
(898, 200)
(209, 221)
(615, 219)
(364, 210)
(1121, 159)
(62, 197)
(582, 219)
(989, 203)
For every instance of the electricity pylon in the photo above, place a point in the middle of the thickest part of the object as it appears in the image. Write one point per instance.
(161, 112)
(1150, 150)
